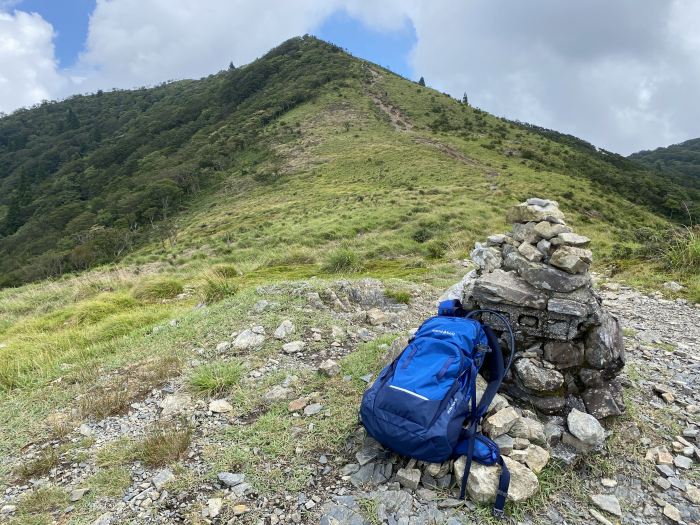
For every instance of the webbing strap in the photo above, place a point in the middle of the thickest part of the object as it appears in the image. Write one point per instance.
(471, 437)
(502, 492)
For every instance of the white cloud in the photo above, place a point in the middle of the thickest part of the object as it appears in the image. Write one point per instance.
(28, 73)
(143, 42)
(623, 75)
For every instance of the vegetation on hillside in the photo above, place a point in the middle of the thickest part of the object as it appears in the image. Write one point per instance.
(681, 159)
(95, 178)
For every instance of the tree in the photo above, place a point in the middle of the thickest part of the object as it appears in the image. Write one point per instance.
(72, 120)
(465, 100)
(421, 81)
(231, 66)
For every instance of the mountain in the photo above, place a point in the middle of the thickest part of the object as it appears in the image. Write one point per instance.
(679, 159)
(300, 150)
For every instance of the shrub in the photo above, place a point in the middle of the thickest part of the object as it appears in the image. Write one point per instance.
(216, 288)
(216, 378)
(342, 260)
(682, 252)
(157, 289)
(436, 249)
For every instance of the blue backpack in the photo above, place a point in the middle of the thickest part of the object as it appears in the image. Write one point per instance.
(423, 404)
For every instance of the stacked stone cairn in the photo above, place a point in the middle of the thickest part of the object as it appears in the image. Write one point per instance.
(564, 377)
(570, 349)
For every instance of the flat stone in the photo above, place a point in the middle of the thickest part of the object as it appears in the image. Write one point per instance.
(525, 233)
(277, 393)
(293, 347)
(377, 317)
(683, 462)
(547, 230)
(571, 239)
(586, 428)
(313, 409)
(567, 307)
(505, 444)
(214, 506)
(599, 517)
(297, 404)
(662, 483)
(248, 339)
(104, 519)
(231, 479)
(506, 287)
(537, 378)
(496, 239)
(672, 513)
(544, 246)
(77, 494)
(608, 503)
(666, 470)
(602, 401)
(161, 478)
(608, 482)
(409, 478)
(220, 406)
(175, 404)
(530, 429)
(692, 494)
(500, 422)
(544, 277)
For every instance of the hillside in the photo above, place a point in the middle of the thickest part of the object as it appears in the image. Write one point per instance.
(91, 179)
(158, 247)
(682, 159)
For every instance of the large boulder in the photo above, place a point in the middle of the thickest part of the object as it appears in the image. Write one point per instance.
(536, 210)
(534, 376)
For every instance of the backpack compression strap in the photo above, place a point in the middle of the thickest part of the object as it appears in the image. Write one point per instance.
(497, 371)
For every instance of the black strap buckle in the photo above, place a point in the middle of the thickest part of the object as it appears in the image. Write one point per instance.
(498, 514)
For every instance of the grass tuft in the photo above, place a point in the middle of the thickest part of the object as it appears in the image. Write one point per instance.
(40, 466)
(342, 260)
(166, 444)
(158, 289)
(217, 287)
(216, 378)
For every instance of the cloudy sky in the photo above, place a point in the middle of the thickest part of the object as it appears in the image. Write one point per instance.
(624, 75)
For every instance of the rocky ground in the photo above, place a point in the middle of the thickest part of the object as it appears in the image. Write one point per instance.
(645, 472)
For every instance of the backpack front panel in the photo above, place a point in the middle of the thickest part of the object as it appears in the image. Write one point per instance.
(418, 403)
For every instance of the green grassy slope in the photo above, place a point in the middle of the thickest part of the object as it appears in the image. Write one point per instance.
(681, 159)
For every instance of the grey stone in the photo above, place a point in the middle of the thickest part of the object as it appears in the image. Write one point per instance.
(535, 377)
(544, 246)
(525, 233)
(602, 401)
(564, 354)
(605, 347)
(567, 307)
(666, 470)
(530, 429)
(586, 428)
(486, 257)
(313, 409)
(500, 422)
(608, 503)
(531, 253)
(329, 368)
(284, 330)
(248, 339)
(544, 277)
(547, 230)
(277, 393)
(162, 477)
(77, 494)
(506, 287)
(104, 519)
(293, 347)
(175, 404)
(505, 444)
(683, 462)
(571, 259)
(672, 513)
(536, 210)
(496, 239)
(231, 479)
(534, 456)
(571, 239)
(409, 478)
